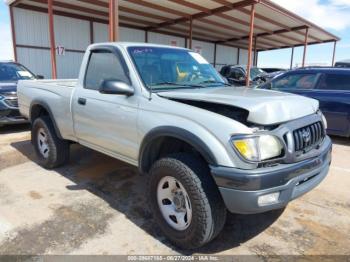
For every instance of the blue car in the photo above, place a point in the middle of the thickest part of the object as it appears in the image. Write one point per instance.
(330, 86)
(10, 74)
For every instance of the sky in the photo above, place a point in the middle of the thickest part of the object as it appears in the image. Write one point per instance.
(333, 15)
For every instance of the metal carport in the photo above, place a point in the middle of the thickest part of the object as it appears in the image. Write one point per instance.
(255, 25)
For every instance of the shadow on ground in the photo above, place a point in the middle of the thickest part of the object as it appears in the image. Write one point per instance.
(10, 129)
(124, 190)
(340, 140)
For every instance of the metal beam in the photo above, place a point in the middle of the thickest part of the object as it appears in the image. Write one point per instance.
(52, 39)
(251, 33)
(181, 19)
(292, 58)
(299, 45)
(281, 31)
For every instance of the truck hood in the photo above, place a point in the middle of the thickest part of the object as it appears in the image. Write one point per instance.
(265, 107)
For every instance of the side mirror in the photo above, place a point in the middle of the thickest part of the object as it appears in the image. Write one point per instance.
(116, 87)
(40, 77)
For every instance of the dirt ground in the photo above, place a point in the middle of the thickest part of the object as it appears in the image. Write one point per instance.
(96, 205)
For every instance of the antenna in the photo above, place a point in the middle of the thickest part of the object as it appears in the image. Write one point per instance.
(150, 90)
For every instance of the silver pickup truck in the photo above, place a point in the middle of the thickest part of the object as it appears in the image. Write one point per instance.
(206, 147)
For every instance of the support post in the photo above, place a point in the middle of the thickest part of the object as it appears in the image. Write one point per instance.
(146, 36)
(113, 20)
(190, 34)
(238, 53)
(334, 49)
(52, 39)
(13, 33)
(251, 32)
(254, 60)
(305, 45)
(292, 58)
(91, 32)
(214, 55)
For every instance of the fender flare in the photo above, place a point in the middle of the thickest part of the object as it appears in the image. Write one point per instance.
(179, 133)
(47, 108)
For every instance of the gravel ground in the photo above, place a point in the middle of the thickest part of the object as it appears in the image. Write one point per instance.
(96, 205)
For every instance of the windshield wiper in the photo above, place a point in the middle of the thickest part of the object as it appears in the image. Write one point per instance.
(176, 84)
(214, 82)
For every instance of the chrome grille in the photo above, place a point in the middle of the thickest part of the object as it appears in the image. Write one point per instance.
(12, 102)
(307, 137)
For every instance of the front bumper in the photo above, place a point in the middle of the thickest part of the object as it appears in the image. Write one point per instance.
(241, 189)
(10, 114)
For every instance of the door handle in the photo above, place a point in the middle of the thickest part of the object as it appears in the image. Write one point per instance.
(81, 101)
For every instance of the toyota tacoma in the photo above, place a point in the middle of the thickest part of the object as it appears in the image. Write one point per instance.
(206, 147)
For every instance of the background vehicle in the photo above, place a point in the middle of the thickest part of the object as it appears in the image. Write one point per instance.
(236, 75)
(330, 86)
(343, 63)
(10, 73)
(205, 147)
(272, 69)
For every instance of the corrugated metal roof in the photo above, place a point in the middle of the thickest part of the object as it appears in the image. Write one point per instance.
(220, 21)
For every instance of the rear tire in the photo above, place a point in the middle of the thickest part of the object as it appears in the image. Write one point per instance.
(50, 149)
(208, 212)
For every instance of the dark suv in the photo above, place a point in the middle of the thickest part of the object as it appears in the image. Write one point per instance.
(330, 86)
(10, 73)
(236, 75)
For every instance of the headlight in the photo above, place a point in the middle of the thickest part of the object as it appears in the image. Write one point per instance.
(258, 148)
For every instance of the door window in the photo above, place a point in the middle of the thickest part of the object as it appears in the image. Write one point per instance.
(236, 74)
(335, 82)
(104, 65)
(296, 81)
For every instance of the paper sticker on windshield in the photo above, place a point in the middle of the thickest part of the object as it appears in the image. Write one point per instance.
(24, 74)
(200, 59)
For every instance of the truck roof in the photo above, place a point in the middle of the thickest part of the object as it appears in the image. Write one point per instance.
(131, 44)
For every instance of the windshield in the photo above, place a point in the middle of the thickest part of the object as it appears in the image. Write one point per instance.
(14, 72)
(255, 71)
(170, 68)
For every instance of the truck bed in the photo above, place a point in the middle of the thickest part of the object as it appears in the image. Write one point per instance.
(70, 83)
(55, 93)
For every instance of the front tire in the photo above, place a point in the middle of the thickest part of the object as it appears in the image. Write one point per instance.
(185, 200)
(51, 151)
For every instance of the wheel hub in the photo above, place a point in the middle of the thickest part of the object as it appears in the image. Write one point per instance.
(43, 145)
(179, 201)
(174, 203)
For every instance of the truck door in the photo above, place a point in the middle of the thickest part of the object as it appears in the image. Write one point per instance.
(106, 122)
